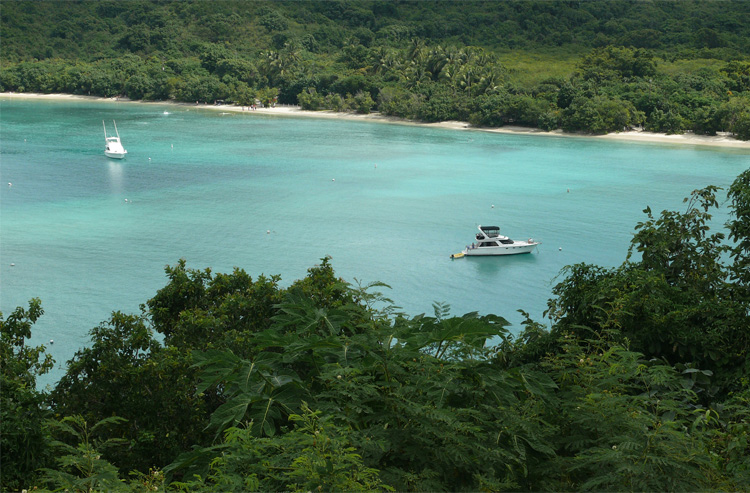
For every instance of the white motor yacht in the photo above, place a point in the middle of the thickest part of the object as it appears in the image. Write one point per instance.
(491, 242)
(112, 146)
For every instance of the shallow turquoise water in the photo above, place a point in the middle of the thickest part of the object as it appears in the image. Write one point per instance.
(387, 202)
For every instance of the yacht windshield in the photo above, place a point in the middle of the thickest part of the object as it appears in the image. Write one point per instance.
(491, 231)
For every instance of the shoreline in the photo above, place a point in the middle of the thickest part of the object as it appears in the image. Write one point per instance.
(721, 140)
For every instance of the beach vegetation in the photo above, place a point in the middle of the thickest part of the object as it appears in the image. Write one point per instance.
(659, 66)
(636, 381)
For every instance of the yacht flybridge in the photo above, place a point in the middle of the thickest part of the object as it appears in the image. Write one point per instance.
(489, 241)
(112, 146)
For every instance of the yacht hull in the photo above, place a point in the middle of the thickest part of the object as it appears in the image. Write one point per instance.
(514, 249)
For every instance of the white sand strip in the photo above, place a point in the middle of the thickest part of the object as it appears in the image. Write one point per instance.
(721, 140)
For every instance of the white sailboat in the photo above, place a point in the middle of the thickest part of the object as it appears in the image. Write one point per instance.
(112, 146)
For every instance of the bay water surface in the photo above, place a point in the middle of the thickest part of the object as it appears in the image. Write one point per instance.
(274, 194)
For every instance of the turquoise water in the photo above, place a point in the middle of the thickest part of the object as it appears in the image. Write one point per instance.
(89, 235)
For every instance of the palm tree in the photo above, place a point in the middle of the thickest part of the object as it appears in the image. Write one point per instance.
(377, 58)
(437, 59)
(416, 49)
(490, 82)
(388, 63)
(415, 74)
(467, 76)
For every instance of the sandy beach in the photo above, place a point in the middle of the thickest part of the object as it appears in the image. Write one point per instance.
(721, 140)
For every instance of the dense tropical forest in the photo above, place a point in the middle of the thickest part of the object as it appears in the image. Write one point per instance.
(580, 66)
(641, 382)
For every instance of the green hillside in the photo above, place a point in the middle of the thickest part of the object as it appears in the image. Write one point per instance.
(87, 31)
(591, 66)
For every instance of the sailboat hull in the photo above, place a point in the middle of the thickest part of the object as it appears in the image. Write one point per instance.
(115, 155)
(112, 146)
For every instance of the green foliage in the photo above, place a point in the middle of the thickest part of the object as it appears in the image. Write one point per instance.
(80, 467)
(612, 63)
(20, 362)
(125, 372)
(735, 116)
(391, 388)
(316, 455)
(447, 61)
(260, 387)
(600, 115)
(675, 302)
(328, 463)
(22, 413)
(739, 232)
(198, 310)
(361, 103)
(738, 74)
(622, 422)
(310, 100)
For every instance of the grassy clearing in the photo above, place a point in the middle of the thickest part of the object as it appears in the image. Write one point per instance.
(683, 66)
(528, 69)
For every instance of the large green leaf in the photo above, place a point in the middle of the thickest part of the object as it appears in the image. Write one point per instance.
(231, 412)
